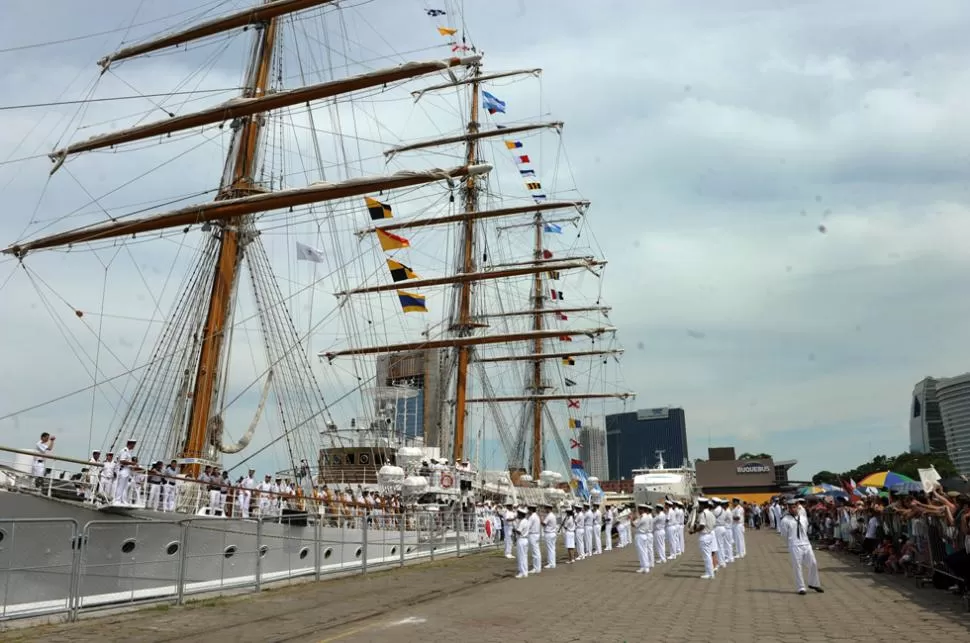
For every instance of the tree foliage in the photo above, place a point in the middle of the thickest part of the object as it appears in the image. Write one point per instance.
(753, 456)
(907, 464)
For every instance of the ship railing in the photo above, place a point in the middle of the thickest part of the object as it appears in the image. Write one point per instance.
(61, 567)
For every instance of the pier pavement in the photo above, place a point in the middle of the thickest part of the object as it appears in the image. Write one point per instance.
(602, 599)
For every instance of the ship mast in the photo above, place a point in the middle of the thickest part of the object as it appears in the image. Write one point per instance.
(464, 324)
(537, 384)
(237, 181)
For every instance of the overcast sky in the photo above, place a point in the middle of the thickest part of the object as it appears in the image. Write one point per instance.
(779, 188)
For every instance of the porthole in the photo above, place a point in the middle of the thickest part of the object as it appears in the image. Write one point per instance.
(263, 550)
(230, 551)
(327, 553)
(434, 549)
(357, 553)
(393, 550)
(408, 550)
(172, 548)
(304, 552)
(128, 546)
(3, 535)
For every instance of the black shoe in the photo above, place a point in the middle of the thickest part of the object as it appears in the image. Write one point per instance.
(801, 592)
(817, 589)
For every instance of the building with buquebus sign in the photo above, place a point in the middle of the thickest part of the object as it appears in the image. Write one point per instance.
(754, 480)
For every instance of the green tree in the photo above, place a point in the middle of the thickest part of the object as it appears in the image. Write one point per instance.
(826, 477)
(753, 456)
(908, 464)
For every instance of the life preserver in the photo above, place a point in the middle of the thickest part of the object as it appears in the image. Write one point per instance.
(446, 480)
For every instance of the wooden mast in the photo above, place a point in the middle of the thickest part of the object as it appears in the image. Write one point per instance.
(465, 323)
(237, 181)
(537, 384)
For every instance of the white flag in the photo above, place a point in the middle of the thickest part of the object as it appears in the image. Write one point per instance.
(306, 253)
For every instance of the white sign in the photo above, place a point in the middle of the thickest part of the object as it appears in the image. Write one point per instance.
(661, 413)
(754, 467)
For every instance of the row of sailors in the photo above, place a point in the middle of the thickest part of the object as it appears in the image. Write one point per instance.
(721, 527)
(656, 528)
(583, 526)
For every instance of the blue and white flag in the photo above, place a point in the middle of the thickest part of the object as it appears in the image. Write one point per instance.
(552, 227)
(493, 104)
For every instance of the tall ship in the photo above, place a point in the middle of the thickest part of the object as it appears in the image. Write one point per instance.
(353, 328)
(654, 485)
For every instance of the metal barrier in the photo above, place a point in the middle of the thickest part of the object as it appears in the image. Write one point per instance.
(107, 564)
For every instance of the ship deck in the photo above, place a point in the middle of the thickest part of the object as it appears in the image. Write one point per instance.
(475, 598)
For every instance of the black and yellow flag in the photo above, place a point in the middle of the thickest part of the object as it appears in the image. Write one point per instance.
(377, 209)
(400, 272)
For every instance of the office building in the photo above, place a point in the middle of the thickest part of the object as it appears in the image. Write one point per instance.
(411, 391)
(592, 451)
(754, 480)
(953, 394)
(633, 439)
(926, 431)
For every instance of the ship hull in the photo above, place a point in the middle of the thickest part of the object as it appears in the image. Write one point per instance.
(137, 556)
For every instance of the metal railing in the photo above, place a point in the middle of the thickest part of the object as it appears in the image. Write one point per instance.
(57, 566)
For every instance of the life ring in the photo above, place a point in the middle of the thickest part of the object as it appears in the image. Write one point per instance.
(447, 481)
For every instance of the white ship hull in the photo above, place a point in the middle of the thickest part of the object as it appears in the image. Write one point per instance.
(656, 485)
(146, 554)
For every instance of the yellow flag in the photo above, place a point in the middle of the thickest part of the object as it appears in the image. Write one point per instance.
(447, 31)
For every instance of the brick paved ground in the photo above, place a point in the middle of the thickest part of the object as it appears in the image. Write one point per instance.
(476, 599)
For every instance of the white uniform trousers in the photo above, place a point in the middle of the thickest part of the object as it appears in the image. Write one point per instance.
(536, 553)
(581, 542)
(680, 536)
(721, 546)
(660, 546)
(507, 534)
(644, 544)
(522, 555)
(37, 469)
(708, 545)
(588, 539)
(739, 547)
(169, 495)
(608, 535)
(550, 549)
(729, 542)
(106, 486)
(803, 556)
(121, 486)
(597, 539)
(215, 500)
(154, 496)
(244, 498)
(671, 539)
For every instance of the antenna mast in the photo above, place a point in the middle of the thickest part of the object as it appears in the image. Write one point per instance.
(237, 181)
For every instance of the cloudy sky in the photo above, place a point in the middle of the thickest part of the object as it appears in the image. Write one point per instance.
(779, 189)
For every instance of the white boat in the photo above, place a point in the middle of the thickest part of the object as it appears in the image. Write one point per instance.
(651, 486)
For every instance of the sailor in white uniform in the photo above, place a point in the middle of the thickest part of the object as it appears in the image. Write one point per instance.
(597, 530)
(246, 493)
(522, 527)
(569, 531)
(535, 531)
(720, 525)
(738, 511)
(43, 447)
(580, 532)
(508, 522)
(124, 472)
(671, 528)
(795, 531)
(94, 472)
(705, 526)
(659, 534)
(609, 516)
(170, 491)
(550, 529)
(644, 538)
(265, 499)
(106, 482)
(728, 529)
(679, 524)
(623, 527)
(588, 529)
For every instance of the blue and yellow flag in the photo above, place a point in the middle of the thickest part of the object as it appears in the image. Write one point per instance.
(411, 302)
